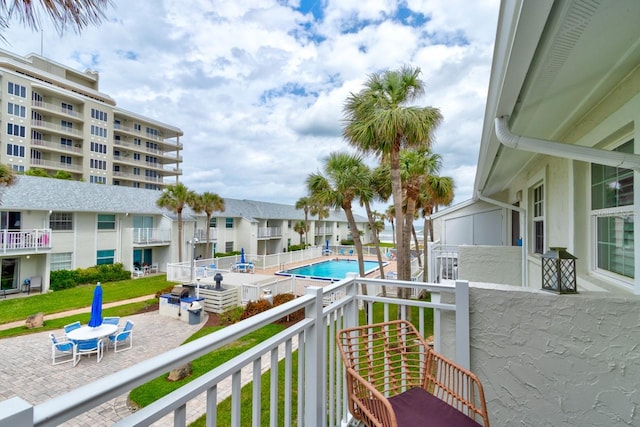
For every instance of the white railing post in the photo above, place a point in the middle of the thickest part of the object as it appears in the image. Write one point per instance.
(462, 324)
(16, 412)
(314, 413)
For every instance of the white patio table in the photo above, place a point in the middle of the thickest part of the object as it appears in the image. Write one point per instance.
(88, 333)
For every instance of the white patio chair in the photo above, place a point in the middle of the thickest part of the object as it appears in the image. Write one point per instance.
(61, 348)
(111, 320)
(137, 272)
(71, 326)
(88, 347)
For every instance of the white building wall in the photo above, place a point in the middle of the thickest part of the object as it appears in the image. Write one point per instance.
(550, 360)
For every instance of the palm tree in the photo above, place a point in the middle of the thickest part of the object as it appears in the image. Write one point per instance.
(320, 210)
(207, 203)
(380, 120)
(390, 215)
(343, 179)
(300, 227)
(78, 13)
(304, 203)
(7, 177)
(175, 197)
(436, 191)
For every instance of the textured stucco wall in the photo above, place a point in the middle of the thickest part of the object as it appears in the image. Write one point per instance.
(491, 264)
(550, 360)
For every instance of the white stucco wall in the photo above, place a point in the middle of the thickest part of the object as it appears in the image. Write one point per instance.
(550, 360)
(492, 264)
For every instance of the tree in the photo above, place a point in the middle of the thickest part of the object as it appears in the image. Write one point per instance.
(435, 191)
(174, 198)
(63, 175)
(76, 13)
(208, 203)
(304, 203)
(320, 210)
(37, 172)
(7, 176)
(338, 187)
(300, 227)
(380, 120)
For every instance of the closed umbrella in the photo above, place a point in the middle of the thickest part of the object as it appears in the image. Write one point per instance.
(242, 256)
(326, 246)
(96, 307)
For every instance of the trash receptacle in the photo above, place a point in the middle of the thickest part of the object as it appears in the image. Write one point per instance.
(195, 313)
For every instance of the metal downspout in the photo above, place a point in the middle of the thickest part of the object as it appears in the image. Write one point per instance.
(560, 149)
(525, 237)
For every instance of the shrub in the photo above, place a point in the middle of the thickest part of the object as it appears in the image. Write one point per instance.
(65, 279)
(255, 307)
(293, 317)
(346, 242)
(232, 316)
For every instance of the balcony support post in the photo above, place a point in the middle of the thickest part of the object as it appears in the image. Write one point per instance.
(462, 324)
(314, 413)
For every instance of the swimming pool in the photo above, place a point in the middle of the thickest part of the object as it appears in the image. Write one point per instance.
(334, 269)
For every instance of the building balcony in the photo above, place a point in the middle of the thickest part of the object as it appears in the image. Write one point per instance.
(151, 236)
(43, 144)
(50, 164)
(168, 156)
(201, 234)
(56, 109)
(306, 349)
(269, 232)
(122, 129)
(62, 130)
(324, 231)
(25, 242)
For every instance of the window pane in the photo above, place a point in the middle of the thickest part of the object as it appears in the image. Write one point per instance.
(616, 244)
(106, 222)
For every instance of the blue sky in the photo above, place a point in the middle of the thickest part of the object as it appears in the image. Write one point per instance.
(258, 86)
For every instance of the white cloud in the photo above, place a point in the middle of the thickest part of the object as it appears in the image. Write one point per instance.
(258, 87)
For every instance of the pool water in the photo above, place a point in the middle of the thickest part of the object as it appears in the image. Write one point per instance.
(331, 269)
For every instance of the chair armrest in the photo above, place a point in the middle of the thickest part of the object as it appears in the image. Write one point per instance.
(455, 385)
(368, 404)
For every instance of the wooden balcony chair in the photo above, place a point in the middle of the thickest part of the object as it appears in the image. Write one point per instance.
(394, 379)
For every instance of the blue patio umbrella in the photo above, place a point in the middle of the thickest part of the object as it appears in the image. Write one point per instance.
(326, 245)
(96, 307)
(242, 256)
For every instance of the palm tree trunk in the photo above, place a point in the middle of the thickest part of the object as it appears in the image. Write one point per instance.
(180, 237)
(376, 243)
(208, 246)
(425, 276)
(396, 191)
(415, 239)
(357, 242)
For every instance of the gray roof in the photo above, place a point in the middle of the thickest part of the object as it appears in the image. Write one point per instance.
(43, 194)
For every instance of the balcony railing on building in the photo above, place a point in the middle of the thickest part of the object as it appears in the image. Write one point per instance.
(320, 385)
(151, 236)
(56, 146)
(323, 231)
(268, 232)
(201, 234)
(55, 108)
(20, 241)
(55, 165)
(55, 127)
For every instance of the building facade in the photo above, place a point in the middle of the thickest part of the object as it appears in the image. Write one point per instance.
(56, 119)
(51, 224)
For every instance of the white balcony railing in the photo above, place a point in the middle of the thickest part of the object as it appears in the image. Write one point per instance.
(201, 234)
(320, 385)
(151, 236)
(266, 232)
(32, 240)
(443, 262)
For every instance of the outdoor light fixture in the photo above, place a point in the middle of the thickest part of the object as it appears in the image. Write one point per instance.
(559, 271)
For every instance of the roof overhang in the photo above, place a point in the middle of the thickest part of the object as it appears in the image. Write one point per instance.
(554, 62)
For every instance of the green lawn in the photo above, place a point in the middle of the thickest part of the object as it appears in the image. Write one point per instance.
(17, 309)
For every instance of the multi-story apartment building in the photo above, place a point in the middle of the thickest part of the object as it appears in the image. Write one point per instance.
(51, 224)
(56, 119)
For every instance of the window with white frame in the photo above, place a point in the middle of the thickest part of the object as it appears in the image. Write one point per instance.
(61, 221)
(106, 256)
(228, 223)
(612, 210)
(61, 261)
(537, 207)
(106, 222)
